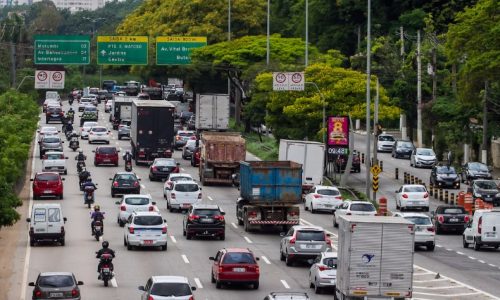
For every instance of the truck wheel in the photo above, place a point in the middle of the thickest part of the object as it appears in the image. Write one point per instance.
(246, 226)
(32, 242)
(240, 222)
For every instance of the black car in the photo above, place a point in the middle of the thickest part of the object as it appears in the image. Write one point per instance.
(402, 148)
(204, 220)
(56, 285)
(125, 183)
(475, 170)
(487, 190)
(54, 113)
(450, 218)
(161, 168)
(444, 177)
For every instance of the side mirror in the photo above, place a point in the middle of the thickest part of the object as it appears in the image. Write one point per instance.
(117, 202)
(93, 151)
(118, 151)
(223, 213)
(200, 188)
(28, 220)
(257, 258)
(63, 179)
(193, 288)
(31, 179)
(141, 288)
(62, 142)
(139, 179)
(31, 284)
(282, 234)
(65, 219)
(165, 220)
(396, 192)
(211, 258)
(154, 203)
(66, 157)
(329, 235)
(433, 213)
(111, 179)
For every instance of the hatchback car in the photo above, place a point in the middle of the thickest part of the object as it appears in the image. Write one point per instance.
(145, 229)
(132, 203)
(99, 134)
(173, 177)
(47, 130)
(50, 143)
(204, 220)
(287, 296)
(475, 170)
(303, 242)
(423, 158)
(48, 102)
(450, 218)
(167, 287)
(182, 195)
(84, 101)
(487, 190)
(84, 131)
(106, 156)
(321, 197)
(235, 266)
(54, 161)
(161, 168)
(425, 234)
(47, 184)
(323, 272)
(188, 149)
(359, 208)
(385, 142)
(182, 137)
(123, 131)
(412, 196)
(444, 177)
(54, 113)
(402, 148)
(125, 183)
(56, 285)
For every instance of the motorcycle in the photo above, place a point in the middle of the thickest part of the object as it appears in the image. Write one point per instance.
(74, 144)
(97, 229)
(128, 166)
(70, 101)
(89, 195)
(80, 165)
(106, 270)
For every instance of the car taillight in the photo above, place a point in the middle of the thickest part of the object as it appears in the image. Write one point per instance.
(292, 240)
(324, 268)
(131, 230)
(219, 217)
(405, 196)
(151, 208)
(328, 240)
(37, 294)
(316, 196)
(199, 196)
(178, 138)
(154, 168)
(136, 183)
(191, 298)
(338, 197)
(142, 153)
(172, 195)
(480, 225)
(426, 195)
(164, 230)
(292, 213)
(193, 217)
(123, 208)
(440, 219)
(115, 183)
(252, 214)
(466, 219)
(431, 229)
(197, 155)
(151, 298)
(75, 293)
(221, 269)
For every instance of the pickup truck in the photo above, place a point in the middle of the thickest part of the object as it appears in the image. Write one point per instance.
(53, 161)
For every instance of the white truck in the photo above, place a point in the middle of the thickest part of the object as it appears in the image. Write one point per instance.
(375, 258)
(212, 112)
(311, 155)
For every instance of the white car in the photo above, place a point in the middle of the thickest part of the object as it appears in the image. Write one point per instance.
(99, 134)
(412, 196)
(358, 208)
(423, 158)
(53, 161)
(46, 131)
(482, 230)
(323, 272)
(173, 177)
(145, 229)
(182, 195)
(134, 202)
(176, 287)
(385, 142)
(84, 131)
(108, 106)
(84, 101)
(322, 198)
(425, 233)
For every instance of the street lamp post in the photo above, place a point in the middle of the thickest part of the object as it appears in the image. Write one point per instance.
(307, 34)
(368, 71)
(94, 21)
(268, 29)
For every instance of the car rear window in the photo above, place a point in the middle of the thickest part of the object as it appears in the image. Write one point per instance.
(55, 281)
(238, 258)
(415, 189)
(328, 192)
(51, 140)
(310, 235)
(186, 187)
(180, 178)
(99, 129)
(185, 133)
(386, 138)
(206, 212)
(107, 150)
(137, 201)
(47, 177)
(362, 207)
(126, 177)
(148, 220)
(330, 261)
(419, 220)
(165, 162)
(453, 211)
(55, 156)
(169, 289)
(89, 124)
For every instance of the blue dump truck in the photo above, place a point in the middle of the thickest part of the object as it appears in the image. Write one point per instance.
(270, 192)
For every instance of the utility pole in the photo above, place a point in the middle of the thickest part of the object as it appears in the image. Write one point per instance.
(375, 130)
(419, 93)
(268, 30)
(307, 34)
(13, 63)
(484, 147)
(402, 39)
(368, 71)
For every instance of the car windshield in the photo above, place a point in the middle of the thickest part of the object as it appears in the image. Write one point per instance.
(47, 177)
(191, 143)
(310, 235)
(238, 258)
(170, 289)
(425, 152)
(90, 108)
(405, 145)
(165, 162)
(55, 156)
(148, 220)
(386, 138)
(362, 207)
(56, 281)
(330, 261)
(487, 185)
(206, 212)
(478, 167)
(137, 201)
(328, 192)
(419, 220)
(126, 177)
(51, 140)
(186, 187)
(107, 150)
(446, 170)
(453, 211)
(99, 129)
(414, 189)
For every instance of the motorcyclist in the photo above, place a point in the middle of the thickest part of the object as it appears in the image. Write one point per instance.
(70, 114)
(83, 176)
(88, 183)
(97, 215)
(69, 127)
(105, 250)
(80, 157)
(127, 157)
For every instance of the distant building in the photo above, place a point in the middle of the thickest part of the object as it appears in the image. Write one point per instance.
(72, 5)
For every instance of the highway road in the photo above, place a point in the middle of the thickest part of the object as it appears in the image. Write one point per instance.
(463, 272)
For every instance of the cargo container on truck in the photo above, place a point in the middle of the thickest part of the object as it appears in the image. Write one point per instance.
(121, 110)
(220, 156)
(311, 155)
(212, 112)
(375, 258)
(132, 88)
(270, 193)
(151, 130)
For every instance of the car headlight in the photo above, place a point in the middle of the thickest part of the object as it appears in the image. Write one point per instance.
(479, 195)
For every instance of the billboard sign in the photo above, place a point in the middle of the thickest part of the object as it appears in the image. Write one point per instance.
(338, 132)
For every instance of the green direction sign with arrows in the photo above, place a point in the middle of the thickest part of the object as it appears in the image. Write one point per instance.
(122, 50)
(62, 49)
(176, 50)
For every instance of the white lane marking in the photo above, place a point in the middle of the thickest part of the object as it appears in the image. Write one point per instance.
(248, 240)
(143, 186)
(117, 143)
(460, 253)
(472, 257)
(448, 296)
(173, 239)
(436, 287)
(113, 282)
(422, 274)
(481, 261)
(492, 265)
(182, 169)
(266, 260)
(439, 246)
(448, 249)
(184, 258)
(430, 280)
(198, 283)
(121, 149)
(234, 225)
(210, 198)
(283, 282)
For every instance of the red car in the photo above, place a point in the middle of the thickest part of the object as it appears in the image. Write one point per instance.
(47, 184)
(233, 266)
(106, 156)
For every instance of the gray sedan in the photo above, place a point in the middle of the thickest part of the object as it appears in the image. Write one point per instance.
(123, 131)
(188, 149)
(56, 285)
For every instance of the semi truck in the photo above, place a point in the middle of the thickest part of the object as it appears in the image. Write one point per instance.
(375, 258)
(270, 193)
(220, 156)
(311, 155)
(212, 112)
(121, 110)
(151, 130)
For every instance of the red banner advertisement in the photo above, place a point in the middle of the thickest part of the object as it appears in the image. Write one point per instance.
(338, 131)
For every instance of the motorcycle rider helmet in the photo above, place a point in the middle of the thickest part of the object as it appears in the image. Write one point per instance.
(89, 179)
(80, 151)
(105, 244)
(97, 208)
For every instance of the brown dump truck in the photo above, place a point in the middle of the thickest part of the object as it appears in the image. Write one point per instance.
(220, 156)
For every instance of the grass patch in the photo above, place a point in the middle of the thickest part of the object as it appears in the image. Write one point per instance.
(267, 149)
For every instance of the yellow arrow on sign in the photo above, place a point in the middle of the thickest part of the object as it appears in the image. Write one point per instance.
(375, 170)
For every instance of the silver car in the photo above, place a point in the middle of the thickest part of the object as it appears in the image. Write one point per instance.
(123, 131)
(303, 242)
(188, 149)
(50, 143)
(167, 287)
(323, 272)
(423, 158)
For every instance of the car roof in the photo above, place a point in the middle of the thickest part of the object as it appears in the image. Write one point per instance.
(410, 185)
(236, 250)
(359, 202)
(36, 205)
(89, 123)
(99, 126)
(55, 273)
(185, 131)
(54, 152)
(180, 175)
(164, 278)
(185, 182)
(146, 213)
(289, 295)
(327, 254)
(125, 173)
(205, 206)
(307, 227)
(52, 128)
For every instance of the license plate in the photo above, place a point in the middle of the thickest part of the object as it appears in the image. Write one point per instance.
(40, 230)
(105, 270)
(328, 205)
(239, 270)
(148, 242)
(126, 184)
(186, 205)
(490, 234)
(453, 220)
(47, 192)
(165, 169)
(310, 246)
(97, 227)
(106, 160)
(332, 281)
(206, 221)
(418, 229)
(56, 294)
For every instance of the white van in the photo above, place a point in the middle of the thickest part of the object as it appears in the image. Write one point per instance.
(46, 223)
(483, 230)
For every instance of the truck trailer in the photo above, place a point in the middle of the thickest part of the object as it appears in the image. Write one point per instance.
(270, 193)
(212, 112)
(121, 110)
(151, 130)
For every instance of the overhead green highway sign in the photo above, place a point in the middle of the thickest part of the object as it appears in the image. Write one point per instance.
(122, 50)
(62, 49)
(176, 50)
